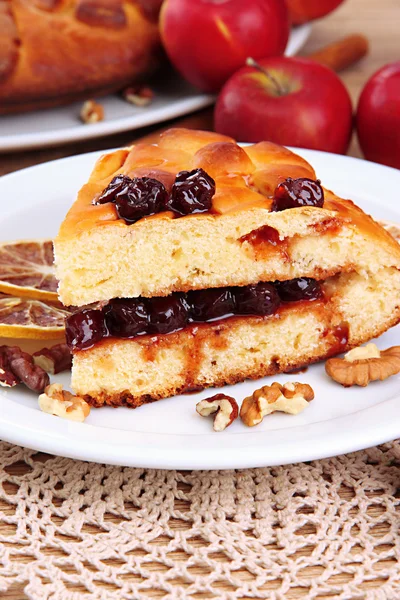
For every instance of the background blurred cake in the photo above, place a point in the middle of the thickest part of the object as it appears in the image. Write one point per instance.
(56, 51)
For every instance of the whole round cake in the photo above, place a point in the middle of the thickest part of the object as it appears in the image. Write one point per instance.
(57, 51)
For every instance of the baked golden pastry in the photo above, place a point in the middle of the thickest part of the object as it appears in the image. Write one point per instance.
(264, 272)
(100, 256)
(56, 51)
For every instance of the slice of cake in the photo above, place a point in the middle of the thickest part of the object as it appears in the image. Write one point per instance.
(211, 263)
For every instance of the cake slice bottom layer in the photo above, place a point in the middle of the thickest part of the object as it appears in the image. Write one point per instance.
(131, 372)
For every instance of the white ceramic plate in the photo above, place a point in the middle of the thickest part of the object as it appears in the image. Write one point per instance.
(169, 433)
(173, 98)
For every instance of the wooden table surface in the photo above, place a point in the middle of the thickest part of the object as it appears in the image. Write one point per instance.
(377, 19)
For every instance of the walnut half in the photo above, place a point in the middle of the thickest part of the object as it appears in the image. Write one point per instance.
(224, 407)
(60, 403)
(362, 365)
(139, 95)
(290, 398)
(91, 112)
(53, 360)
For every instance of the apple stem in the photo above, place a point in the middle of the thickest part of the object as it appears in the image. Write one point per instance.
(250, 62)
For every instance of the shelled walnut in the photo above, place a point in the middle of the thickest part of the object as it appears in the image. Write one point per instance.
(362, 365)
(17, 366)
(290, 398)
(223, 407)
(60, 403)
(54, 360)
(91, 112)
(139, 95)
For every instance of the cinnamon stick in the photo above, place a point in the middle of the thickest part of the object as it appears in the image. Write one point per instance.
(343, 53)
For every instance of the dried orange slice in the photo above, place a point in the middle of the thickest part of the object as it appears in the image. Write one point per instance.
(27, 269)
(33, 319)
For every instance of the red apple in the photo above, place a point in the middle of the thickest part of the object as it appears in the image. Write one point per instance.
(302, 11)
(378, 117)
(208, 40)
(289, 101)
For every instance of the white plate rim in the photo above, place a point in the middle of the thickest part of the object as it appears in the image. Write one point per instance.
(164, 451)
(150, 116)
(146, 452)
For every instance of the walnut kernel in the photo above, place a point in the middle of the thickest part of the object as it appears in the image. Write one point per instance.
(17, 366)
(362, 365)
(362, 353)
(54, 360)
(60, 403)
(291, 398)
(91, 112)
(224, 407)
(140, 95)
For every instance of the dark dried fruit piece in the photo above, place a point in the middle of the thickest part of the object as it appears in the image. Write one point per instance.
(303, 288)
(258, 299)
(210, 304)
(294, 193)
(84, 329)
(168, 314)
(192, 192)
(126, 318)
(142, 197)
(116, 185)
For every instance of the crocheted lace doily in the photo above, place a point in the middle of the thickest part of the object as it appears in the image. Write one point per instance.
(72, 530)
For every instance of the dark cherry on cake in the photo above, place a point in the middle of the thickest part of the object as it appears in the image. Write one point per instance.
(117, 184)
(210, 304)
(140, 197)
(143, 197)
(131, 317)
(258, 299)
(303, 288)
(126, 318)
(168, 314)
(192, 192)
(135, 198)
(84, 329)
(295, 193)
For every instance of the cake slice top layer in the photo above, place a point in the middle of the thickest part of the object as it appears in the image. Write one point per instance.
(239, 241)
(245, 177)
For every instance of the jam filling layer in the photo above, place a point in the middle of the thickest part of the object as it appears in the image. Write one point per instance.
(133, 317)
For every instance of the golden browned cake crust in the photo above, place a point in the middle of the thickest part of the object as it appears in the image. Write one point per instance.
(131, 372)
(245, 177)
(55, 51)
(99, 256)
